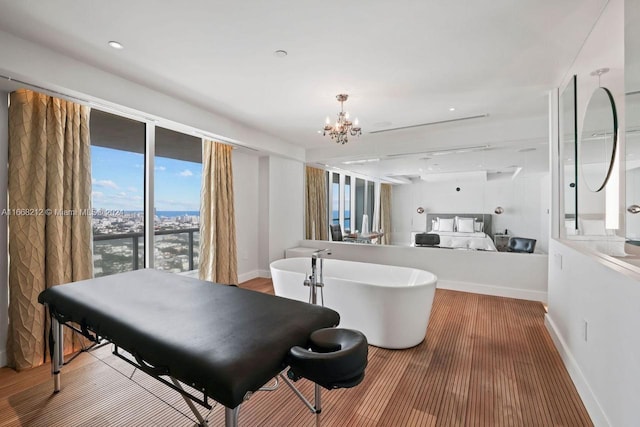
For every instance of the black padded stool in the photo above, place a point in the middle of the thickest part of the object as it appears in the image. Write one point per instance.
(336, 359)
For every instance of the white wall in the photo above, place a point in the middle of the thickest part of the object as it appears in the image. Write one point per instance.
(597, 289)
(606, 366)
(525, 200)
(245, 194)
(286, 206)
(4, 285)
(282, 208)
(264, 218)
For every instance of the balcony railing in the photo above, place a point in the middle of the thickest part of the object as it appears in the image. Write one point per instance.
(137, 252)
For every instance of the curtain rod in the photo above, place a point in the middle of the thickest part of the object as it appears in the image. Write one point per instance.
(117, 111)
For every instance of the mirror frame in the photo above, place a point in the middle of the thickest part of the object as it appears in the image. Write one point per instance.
(615, 136)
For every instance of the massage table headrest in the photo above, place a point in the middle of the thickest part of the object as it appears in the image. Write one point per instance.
(336, 358)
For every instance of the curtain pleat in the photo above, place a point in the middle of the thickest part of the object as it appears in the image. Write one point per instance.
(218, 252)
(49, 227)
(385, 213)
(316, 224)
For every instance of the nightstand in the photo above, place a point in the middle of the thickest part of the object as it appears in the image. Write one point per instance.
(501, 241)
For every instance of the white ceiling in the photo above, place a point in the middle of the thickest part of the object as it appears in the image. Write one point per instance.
(402, 63)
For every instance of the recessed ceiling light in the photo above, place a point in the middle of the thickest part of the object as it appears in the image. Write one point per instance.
(452, 108)
(280, 53)
(116, 45)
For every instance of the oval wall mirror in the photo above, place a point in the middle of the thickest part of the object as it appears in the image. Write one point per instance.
(598, 139)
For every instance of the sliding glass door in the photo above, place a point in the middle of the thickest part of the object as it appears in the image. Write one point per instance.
(177, 183)
(117, 171)
(124, 175)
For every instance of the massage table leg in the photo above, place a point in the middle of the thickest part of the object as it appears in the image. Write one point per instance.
(202, 422)
(58, 353)
(316, 392)
(231, 417)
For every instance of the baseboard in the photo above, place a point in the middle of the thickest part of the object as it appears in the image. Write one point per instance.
(589, 399)
(499, 291)
(3, 358)
(248, 276)
(253, 274)
(264, 273)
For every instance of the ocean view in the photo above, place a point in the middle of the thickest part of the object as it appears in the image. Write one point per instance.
(165, 214)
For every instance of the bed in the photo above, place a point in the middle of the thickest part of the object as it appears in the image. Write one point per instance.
(462, 231)
(223, 341)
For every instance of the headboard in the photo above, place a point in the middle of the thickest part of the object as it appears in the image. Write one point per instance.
(486, 218)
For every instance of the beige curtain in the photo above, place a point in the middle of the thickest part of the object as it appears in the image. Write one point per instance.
(49, 229)
(316, 214)
(385, 213)
(218, 259)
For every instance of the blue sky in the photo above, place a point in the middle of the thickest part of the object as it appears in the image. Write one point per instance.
(118, 181)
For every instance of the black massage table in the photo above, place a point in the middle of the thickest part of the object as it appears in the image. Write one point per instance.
(224, 341)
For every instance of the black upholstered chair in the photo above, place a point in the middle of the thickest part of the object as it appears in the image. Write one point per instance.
(336, 233)
(521, 244)
(427, 239)
(334, 358)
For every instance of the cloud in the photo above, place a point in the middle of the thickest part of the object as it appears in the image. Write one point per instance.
(97, 194)
(132, 189)
(186, 172)
(160, 168)
(104, 183)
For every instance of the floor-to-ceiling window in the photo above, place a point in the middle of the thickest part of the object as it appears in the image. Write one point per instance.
(360, 194)
(177, 183)
(347, 203)
(118, 149)
(369, 203)
(117, 171)
(351, 199)
(335, 199)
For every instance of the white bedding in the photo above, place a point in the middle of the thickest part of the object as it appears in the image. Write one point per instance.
(456, 240)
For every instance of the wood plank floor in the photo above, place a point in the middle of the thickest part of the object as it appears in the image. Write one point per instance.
(486, 361)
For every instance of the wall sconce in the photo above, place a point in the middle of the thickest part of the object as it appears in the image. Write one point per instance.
(499, 210)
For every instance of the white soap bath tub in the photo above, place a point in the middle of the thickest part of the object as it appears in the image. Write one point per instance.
(390, 305)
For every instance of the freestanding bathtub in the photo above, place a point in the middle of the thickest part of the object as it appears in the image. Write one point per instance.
(390, 305)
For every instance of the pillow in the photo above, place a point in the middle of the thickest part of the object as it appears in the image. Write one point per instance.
(478, 226)
(593, 227)
(466, 225)
(570, 227)
(434, 225)
(445, 224)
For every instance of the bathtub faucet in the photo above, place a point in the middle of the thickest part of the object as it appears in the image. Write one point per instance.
(316, 280)
(319, 252)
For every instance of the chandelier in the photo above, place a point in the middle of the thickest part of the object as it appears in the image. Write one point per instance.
(340, 131)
